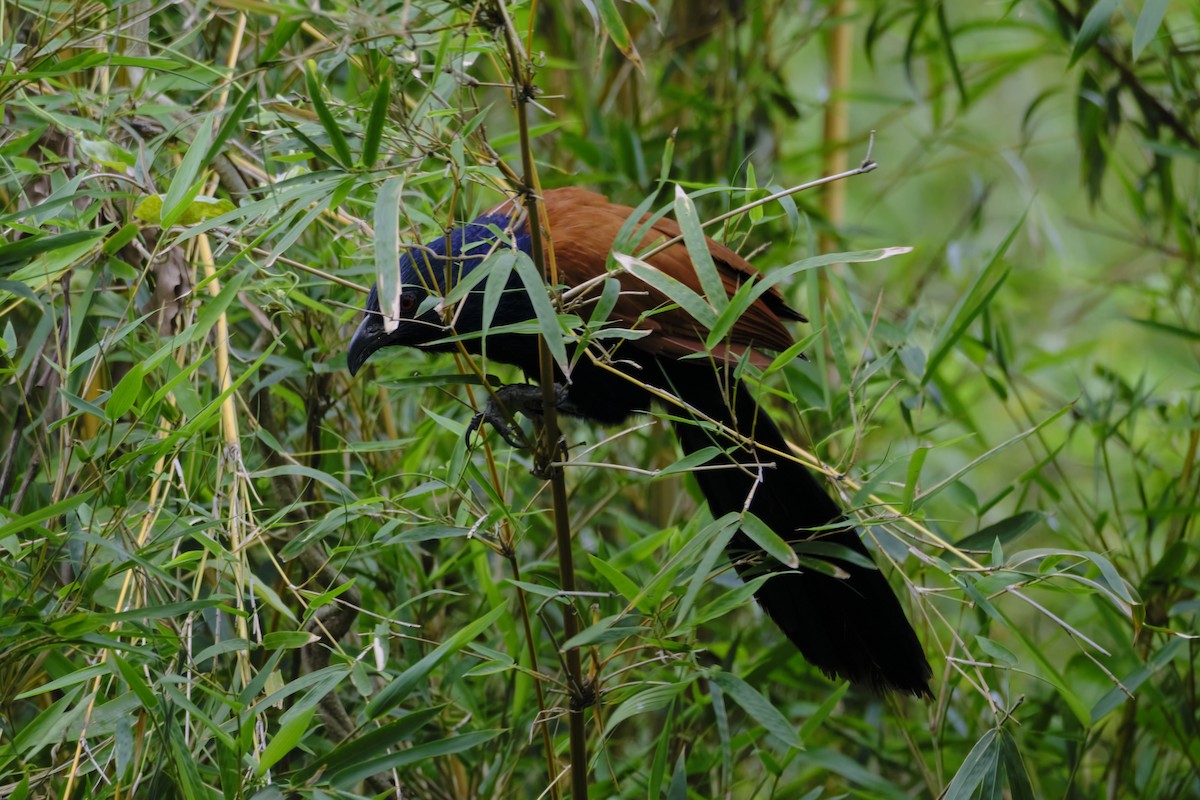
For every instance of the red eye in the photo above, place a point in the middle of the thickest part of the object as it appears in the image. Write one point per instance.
(407, 303)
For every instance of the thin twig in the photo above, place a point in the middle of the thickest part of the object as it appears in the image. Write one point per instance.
(866, 166)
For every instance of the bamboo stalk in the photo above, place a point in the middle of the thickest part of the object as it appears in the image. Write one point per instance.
(580, 694)
(837, 122)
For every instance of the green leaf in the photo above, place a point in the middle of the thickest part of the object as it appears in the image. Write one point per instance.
(606, 630)
(980, 764)
(46, 512)
(355, 773)
(233, 122)
(730, 600)
(203, 208)
(617, 580)
(658, 767)
(770, 541)
(106, 154)
(946, 38)
(50, 724)
(996, 651)
(676, 292)
(185, 184)
(333, 130)
(1018, 778)
(547, 318)
(617, 31)
(284, 741)
(756, 213)
(818, 717)
(678, 788)
(1093, 25)
(931, 492)
(973, 302)
(24, 250)
(697, 247)
(1006, 531)
(1118, 695)
(378, 116)
(759, 287)
(186, 764)
(915, 462)
(657, 587)
(650, 699)
(387, 251)
(689, 462)
(373, 743)
(497, 268)
(758, 707)
(281, 32)
(825, 549)
(395, 692)
(1148, 22)
(298, 470)
(287, 640)
(134, 679)
(125, 392)
(1171, 330)
(428, 533)
(71, 679)
(716, 546)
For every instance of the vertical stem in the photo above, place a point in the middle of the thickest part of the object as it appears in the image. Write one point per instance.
(837, 119)
(549, 443)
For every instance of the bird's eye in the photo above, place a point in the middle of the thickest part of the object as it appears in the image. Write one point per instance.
(407, 303)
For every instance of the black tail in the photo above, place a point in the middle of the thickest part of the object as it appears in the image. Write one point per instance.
(849, 627)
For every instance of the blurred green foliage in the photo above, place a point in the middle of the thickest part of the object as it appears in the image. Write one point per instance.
(196, 499)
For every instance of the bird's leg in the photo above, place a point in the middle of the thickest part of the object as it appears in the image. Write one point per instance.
(504, 404)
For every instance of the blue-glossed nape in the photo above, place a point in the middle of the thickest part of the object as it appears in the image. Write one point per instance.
(469, 246)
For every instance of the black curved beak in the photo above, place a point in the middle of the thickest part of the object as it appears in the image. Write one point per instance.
(369, 337)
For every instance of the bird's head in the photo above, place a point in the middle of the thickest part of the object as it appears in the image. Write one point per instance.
(418, 324)
(426, 275)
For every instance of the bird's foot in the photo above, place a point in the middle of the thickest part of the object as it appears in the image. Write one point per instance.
(506, 402)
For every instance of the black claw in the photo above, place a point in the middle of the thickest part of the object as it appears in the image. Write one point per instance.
(494, 417)
(524, 398)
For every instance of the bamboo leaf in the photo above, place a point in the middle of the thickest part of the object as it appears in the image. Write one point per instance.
(387, 251)
(125, 393)
(375, 122)
(650, 699)
(1171, 330)
(284, 741)
(758, 707)
(395, 692)
(232, 122)
(676, 292)
(697, 247)
(617, 31)
(770, 541)
(915, 462)
(980, 764)
(617, 580)
(973, 302)
(947, 41)
(547, 317)
(337, 139)
(1148, 22)
(356, 773)
(1094, 23)
(1005, 531)
(186, 183)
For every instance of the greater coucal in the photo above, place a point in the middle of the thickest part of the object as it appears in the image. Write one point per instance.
(849, 624)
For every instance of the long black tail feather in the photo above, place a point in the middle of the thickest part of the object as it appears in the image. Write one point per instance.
(851, 627)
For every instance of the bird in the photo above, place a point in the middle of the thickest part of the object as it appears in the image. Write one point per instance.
(843, 616)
